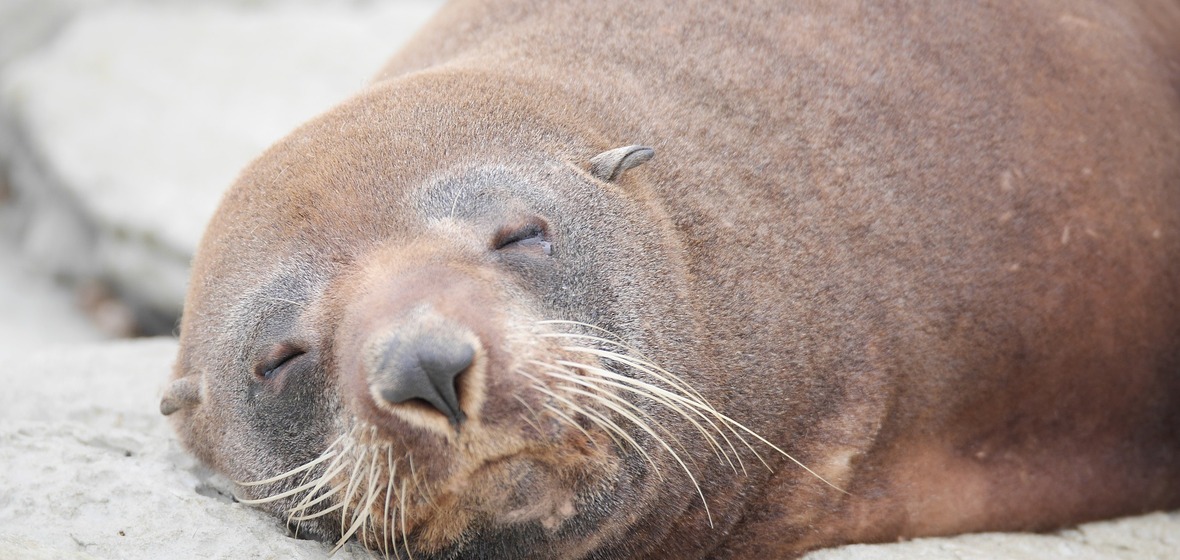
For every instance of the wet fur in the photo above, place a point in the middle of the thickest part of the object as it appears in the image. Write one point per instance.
(932, 251)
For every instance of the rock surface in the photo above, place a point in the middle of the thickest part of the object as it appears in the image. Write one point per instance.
(121, 133)
(91, 469)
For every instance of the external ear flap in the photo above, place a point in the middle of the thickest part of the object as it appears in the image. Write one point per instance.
(609, 165)
(181, 393)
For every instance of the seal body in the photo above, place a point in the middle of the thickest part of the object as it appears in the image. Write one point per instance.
(895, 270)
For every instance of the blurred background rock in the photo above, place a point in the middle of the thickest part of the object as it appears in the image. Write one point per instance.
(123, 121)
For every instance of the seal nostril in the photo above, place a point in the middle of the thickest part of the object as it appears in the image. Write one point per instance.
(426, 370)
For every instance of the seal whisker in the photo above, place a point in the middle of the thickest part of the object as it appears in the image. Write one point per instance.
(317, 514)
(425, 492)
(535, 422)
(306, 466)
(606, 424)
(648, 368)
(283, 300)
(595, 383)
(595, 387)
(386, 520)
(334, 468)
(278, 496)
(617, 341)
(362, 513)
(576, 409)
(636, 360)
(609, 427)
(402, 517)
(640, 361)
(754, 434)
(692, 403)
(565, 418)
(643, 426)
(674, 401)
(315, 495)
(324, 477)
(309, 502)
(610, 431)
(561, 416)
(353, 483)
(304, 485)
(634, 417)
(366, 518)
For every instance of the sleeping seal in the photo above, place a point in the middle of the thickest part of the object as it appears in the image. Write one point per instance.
(622, 280)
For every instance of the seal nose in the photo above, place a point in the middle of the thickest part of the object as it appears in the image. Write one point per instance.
(425, 367)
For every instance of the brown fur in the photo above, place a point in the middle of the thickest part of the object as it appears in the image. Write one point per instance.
(932, 250)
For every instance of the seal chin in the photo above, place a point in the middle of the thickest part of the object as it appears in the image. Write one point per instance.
(367, 485)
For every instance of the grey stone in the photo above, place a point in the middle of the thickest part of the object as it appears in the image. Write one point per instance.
(1149, 537)
(91, 469)
(121, 134)
(35, 311)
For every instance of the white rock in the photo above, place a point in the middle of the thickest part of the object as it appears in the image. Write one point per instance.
(34, 311)
(91, 469)
(1148, 537)
(144, 114)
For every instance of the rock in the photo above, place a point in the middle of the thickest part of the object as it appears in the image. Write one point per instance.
(34, 310)
(122, 133)
(91, 469)
(1148, 537)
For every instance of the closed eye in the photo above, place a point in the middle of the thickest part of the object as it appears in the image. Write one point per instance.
(278, 359)
(533, 235)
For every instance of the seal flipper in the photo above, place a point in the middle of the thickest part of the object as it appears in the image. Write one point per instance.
(181, 393)
(609, 165)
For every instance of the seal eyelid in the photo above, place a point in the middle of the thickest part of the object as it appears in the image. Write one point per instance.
(276, 361)
(532, 235)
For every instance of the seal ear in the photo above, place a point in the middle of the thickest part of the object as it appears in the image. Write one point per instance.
(181, 393)
(609, 165)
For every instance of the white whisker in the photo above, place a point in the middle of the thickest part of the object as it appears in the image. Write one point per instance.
(353, 483)
(402, 515)
(317, 514)
(535, 422)
(676, 397)
(605, 422)
(641, 425)
(362, 514)
(595, 383)
(690, 397)
(306, 466)
(386, 521)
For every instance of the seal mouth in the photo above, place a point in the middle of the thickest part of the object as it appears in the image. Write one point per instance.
(366, 487)
(595, 402)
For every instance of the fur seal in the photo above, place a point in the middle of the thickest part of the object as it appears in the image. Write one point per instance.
(894, 271)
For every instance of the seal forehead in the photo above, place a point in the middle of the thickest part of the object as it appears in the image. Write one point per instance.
(351, 174)
(493, 191)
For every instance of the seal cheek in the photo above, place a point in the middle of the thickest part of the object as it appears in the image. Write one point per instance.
(526, 491)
